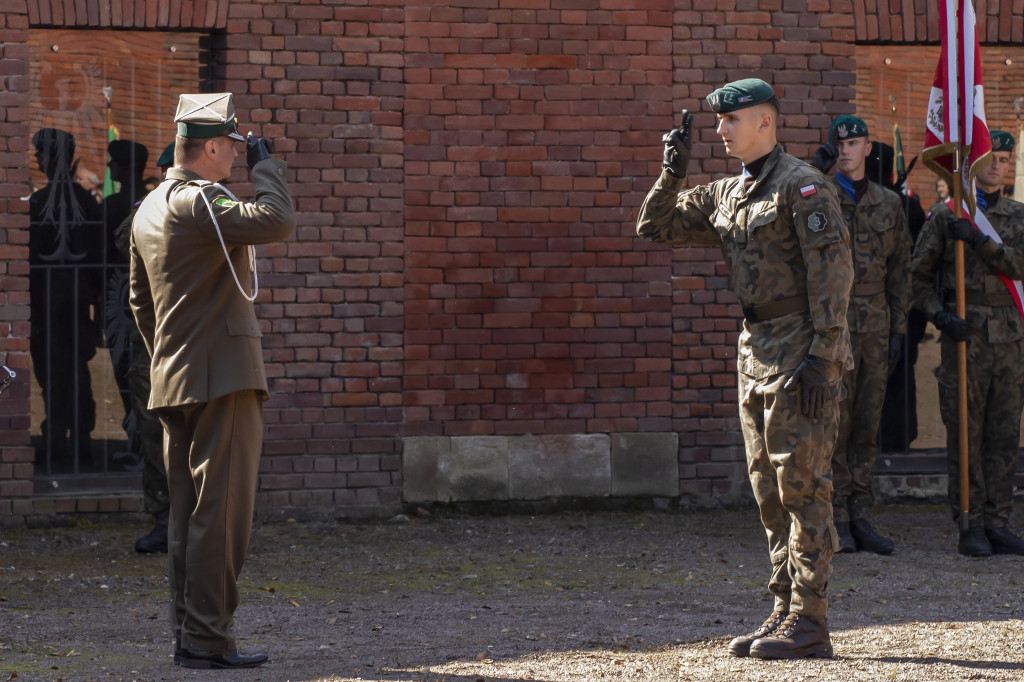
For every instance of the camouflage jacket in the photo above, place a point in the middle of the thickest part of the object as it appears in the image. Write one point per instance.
(934, 278)
(880, 242)
(782, 238)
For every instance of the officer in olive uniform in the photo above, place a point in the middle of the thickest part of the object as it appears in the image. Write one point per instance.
(994, 331)
(780, 228)
(192, 287)
(149, 435)
(877, 318)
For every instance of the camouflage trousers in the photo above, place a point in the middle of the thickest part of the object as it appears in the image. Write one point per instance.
(156, 499)
(788, 458)
(994, 401)
(853, 461)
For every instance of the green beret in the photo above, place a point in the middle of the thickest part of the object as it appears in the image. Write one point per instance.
(847, 127)
(740, 95)
(1002, 141)
(207, 115)
(167, 157)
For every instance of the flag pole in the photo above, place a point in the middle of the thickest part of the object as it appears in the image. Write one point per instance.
(961, 362)
(961, 312)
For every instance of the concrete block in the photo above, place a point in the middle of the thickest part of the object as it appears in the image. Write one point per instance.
(645, 464)
(422, 479)
(568, 465)
(477, 468)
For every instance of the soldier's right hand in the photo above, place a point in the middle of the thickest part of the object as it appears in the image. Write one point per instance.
(949, 323)
(256, 149)
(813, 376)
(964, 230)
(677, 147)
(825, 157)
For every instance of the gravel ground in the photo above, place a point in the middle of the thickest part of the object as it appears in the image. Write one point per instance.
(568, 596)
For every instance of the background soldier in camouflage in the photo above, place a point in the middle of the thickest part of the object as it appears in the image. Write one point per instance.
(783, 237)
(994, 331)
(149, 432)
(877, 318)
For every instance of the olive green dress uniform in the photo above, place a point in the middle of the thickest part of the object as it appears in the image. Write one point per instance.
(879, 303)
(788, 252)
(995, 355)
(208, 380)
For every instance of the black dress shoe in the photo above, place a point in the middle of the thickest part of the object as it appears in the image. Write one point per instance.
(197, 658)
(974, 543)
(867, 539)
(847, 544)
(155, 542)
(1004, 541)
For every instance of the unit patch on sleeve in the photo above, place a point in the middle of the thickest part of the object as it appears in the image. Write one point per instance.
(817, 221)
(225, 202)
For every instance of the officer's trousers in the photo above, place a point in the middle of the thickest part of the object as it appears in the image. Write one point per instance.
(788, 459)
(212, 454)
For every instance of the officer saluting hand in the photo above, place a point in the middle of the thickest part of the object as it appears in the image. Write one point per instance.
(193, 281)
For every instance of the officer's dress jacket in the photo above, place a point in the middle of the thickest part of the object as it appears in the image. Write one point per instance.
(880, 243)
(935, 253)
(200, 331)
(783, 237)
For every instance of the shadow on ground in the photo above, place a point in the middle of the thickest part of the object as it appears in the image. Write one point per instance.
(569, 596)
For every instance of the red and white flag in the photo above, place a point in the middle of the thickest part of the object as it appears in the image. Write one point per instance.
(956, 106)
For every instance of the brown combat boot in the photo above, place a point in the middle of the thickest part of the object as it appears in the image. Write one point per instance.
(798, 636)
(741, 645)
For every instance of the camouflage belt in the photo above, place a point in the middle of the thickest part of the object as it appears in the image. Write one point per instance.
(993, 298)
(767, 311)
(868, 288)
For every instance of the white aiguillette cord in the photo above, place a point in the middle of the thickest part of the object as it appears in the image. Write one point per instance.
(252, 249)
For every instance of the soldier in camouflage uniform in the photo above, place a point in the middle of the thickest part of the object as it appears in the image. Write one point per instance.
(877, 318)
(150, 434)
(780, 229)
(994, 332)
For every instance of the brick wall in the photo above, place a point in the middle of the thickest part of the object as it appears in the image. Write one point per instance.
(15, 455)
(467, 176)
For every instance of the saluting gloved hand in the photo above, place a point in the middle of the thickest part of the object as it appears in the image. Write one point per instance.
(827, 154)
(812, 373)
(825, 157)
(956, 327)
(256, 149)
(964, 230)
(895, 349)
(677, 147)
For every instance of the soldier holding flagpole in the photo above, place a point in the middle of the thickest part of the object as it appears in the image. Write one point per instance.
(994, 328)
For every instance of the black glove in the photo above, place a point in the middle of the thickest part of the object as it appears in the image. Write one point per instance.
(964, 230)
(895, 349)
(825, 157)
(256, 149)
(949, 323)
(677, 147)
(812, 373)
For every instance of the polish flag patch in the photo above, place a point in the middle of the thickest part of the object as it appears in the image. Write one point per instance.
(808, 191)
